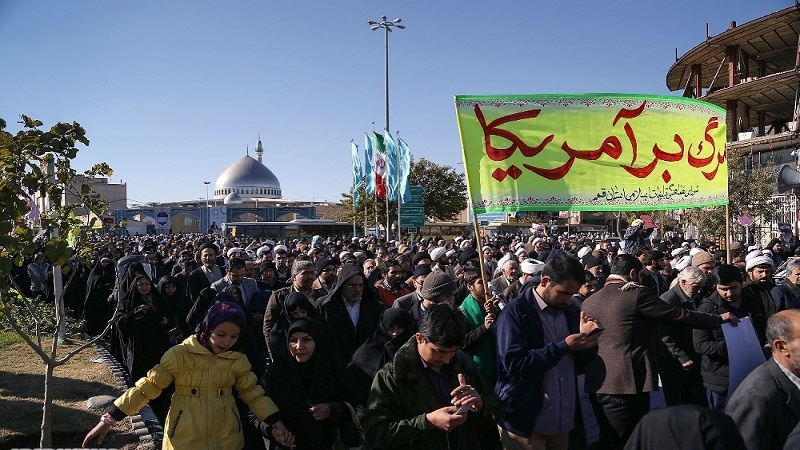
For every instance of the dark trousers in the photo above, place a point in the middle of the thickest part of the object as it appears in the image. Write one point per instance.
(618, 415)
(683, 386)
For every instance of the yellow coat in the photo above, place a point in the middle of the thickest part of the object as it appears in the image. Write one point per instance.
(202, 414)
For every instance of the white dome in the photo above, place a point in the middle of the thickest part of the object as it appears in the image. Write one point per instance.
(248, 178)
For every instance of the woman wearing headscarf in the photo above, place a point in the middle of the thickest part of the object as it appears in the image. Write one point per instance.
(395, 329)
(97, 310)
(297, 306)
(178, 306)
(143, 325)
(308, 386)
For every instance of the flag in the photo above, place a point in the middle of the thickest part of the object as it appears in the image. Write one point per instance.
(356, 172)
(369, 178)
(379, 164)
(391, 165)
(403, 188)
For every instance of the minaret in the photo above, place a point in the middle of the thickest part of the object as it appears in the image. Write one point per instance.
(259, 149)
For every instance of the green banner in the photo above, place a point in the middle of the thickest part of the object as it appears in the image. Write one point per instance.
(592, 152)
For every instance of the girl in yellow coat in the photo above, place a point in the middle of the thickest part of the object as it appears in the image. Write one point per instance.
(202, 414)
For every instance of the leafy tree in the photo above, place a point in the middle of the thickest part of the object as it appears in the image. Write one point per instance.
(37, 164)
(445, 196)
(749, 189)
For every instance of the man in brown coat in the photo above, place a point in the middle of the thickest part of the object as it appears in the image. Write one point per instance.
(624, 373)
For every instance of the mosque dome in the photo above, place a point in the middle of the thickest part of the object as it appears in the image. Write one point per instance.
(249, 178)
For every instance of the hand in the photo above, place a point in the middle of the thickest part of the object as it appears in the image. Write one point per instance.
(488, 321)
(282, 435)
(99, 431)
(164, 321)
(466, 395)
(445, 419)
(730, 318)
(321, 411)
(688, 364)
(588, 323)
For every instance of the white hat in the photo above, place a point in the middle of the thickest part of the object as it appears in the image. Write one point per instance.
(520, 251)
(262, 250)
(694, 251)
(684, 244)
(466, 243)
(584, 251)
(679, 251)
(531, 266)
(486, 247)
(450, 253)
(235, 250)
(281, 247)
(269, 242)
(537, 240)
(758, 260)
(437, 253)
(684, 262)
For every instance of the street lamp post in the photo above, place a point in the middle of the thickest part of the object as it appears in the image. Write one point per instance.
(208, 211)
(387, 27)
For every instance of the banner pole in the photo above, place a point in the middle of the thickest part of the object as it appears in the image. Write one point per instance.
(479, 248)
(728, 234)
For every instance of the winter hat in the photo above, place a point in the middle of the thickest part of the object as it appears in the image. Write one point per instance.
(466, 255)
(437, 283)
(321, 264)
(701, 258)
(437, 253)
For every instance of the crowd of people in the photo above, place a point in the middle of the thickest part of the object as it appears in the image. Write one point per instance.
(434, 343)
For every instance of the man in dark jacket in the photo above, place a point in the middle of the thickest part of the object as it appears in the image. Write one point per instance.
(728, 297)
(787, 294)
(431, 395)
(542, 341)
(680, 368)
(766, 406)
(205, 275)
(352, 312)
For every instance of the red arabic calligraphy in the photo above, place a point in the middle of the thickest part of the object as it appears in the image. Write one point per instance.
(611, 146)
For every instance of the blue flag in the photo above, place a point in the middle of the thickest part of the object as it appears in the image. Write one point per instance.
(369, 177)
(392, 175)
(357, 176)
(403, 188)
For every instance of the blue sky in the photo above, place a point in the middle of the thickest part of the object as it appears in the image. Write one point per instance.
(172, 92)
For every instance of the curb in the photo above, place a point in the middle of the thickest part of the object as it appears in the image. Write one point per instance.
(144, 424)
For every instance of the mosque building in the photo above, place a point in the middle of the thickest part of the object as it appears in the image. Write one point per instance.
(246, 191)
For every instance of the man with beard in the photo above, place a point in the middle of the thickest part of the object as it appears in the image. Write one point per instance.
(759, 284)
(710, 342)
(392, 286)
(302, 278)
(205, 275)
(787, 294)
(542, 342)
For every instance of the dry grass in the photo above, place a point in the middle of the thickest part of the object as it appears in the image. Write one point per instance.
(22, 394)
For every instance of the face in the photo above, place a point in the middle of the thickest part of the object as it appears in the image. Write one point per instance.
(477, 289)
(353, 288)
(433, 355)
(788, 353)
(558, 295)
(208, 256)
(487, 254)
(224, 337)
(268, 275)
(794, 276)
(170, 289)
(691, 289)
(281, 260)
(418, 282)
(327, 272)
(143, 286)
(236, 276)
(305, 278)
(707, 268)
(395, 330)
(369, 265)
(596, 270)
(588, 288)
(395, 276)
(299, 313)
(760, 275)
(301, 346)
(730, 292)
(511, 270)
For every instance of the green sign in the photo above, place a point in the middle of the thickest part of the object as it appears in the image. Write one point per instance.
(412, 214)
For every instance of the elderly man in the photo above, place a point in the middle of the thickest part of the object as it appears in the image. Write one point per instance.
(787, 294)
(509, 274)
(302, 278)
(530, 271)
(351, 310)
(766, 406)
(623, 374)
(430, 396)
(680, 371)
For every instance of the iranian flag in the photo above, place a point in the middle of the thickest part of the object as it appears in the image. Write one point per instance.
(379, 161)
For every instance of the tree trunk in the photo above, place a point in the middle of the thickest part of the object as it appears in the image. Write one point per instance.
(46, 437)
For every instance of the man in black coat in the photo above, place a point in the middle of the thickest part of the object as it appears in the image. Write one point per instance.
(352, 312)
(205, 275)
(766, 406)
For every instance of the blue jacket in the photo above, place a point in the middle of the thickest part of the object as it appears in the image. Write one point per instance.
(523, 358)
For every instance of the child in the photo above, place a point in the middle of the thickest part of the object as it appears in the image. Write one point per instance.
(204, 368)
